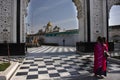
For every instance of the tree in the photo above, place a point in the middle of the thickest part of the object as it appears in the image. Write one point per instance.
(56, 29)
(40, 32)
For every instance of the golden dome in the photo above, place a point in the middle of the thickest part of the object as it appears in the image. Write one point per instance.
(49, 24)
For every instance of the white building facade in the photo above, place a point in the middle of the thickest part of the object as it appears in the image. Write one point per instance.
(69, 39)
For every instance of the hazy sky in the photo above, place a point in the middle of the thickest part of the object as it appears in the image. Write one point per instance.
(114, 18)
(61, 13)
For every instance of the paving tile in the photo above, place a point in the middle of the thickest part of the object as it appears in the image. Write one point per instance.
(21, 73)
(32, 77)
(57, 67)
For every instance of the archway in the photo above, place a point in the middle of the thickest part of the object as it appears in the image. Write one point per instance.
(93, 19)
(114, 26)
(113, 22)
(110, 4)
(46, 12)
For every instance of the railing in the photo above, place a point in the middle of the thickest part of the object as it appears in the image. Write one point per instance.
(14, 48)
(116, 51)
(117, 46)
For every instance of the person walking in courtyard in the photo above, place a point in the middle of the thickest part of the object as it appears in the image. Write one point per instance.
(63, 42)
(99, 59)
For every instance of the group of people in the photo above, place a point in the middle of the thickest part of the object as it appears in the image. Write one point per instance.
(100, 61)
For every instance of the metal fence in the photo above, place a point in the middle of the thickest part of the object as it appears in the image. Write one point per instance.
(117, 46)
(116, 51)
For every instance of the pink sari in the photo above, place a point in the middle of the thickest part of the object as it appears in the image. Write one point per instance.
(99, 60)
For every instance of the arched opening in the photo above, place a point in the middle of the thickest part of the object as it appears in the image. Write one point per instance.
(62, 17)
(114, 15)
(114, 25)
(58, 12)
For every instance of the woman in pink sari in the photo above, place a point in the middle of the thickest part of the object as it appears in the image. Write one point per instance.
(99, 59)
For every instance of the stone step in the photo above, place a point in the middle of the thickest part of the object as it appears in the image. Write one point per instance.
(5, 75)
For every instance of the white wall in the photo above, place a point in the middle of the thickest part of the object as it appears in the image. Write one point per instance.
(70, 40)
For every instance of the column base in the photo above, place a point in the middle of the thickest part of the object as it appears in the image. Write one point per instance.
(14, 49)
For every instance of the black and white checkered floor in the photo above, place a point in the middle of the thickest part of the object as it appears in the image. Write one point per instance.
(56, 67)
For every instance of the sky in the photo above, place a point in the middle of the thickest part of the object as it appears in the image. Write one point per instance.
(114, 15)
(60, 13)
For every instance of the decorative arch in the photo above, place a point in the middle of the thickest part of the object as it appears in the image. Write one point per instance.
(81, 7)
(78, 5)
(110, 3)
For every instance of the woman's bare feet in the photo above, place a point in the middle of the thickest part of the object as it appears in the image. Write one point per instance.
(101, 76)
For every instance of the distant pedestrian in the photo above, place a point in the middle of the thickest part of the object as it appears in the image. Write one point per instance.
(99, 59)
(63, 42)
